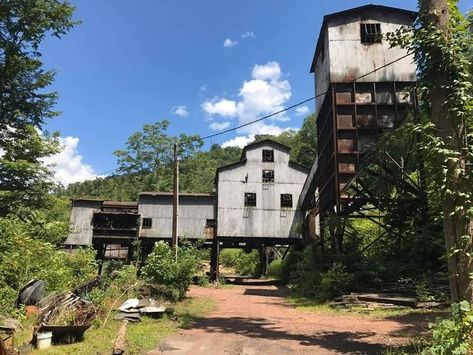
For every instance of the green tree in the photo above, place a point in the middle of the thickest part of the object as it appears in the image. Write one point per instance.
(150, 154)
(304, 150)
(24, 102)
(441, 43)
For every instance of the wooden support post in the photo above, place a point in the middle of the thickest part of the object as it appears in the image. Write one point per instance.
(263, 260)
(130, 253)
(214, 260)
(100, 255)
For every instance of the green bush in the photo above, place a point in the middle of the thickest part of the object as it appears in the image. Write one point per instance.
(307, 276)
(229, 257)
(454, 335)
(248, 263)
(23, 258)
(172, 277)
(274, 268)
(116, 286)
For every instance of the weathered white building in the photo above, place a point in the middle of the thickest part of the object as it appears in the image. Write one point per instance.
(196, 215)
(257, 197)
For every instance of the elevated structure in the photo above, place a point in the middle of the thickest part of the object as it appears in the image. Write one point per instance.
(110, 226)
(258, 195)
(364, 88)
(196, 213)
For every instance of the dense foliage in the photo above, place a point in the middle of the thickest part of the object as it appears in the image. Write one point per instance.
(25, 103)
(245, 263)
(172, 277)
(26, 254)
(453, 335)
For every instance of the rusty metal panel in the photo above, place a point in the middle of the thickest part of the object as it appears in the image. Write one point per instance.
(344, 121)
(346, 167)
(346, 145)
(343, 97)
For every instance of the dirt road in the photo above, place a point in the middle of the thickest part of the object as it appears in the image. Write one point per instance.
(258, 320)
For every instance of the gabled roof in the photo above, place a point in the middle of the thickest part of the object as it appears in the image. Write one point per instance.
(360, 9)
(267, 141)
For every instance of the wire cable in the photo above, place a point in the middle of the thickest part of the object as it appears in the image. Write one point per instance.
(300, 102)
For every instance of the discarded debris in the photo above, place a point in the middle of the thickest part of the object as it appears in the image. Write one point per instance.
(383, 300)
(132, 308)
(31, 293)
(66, 315)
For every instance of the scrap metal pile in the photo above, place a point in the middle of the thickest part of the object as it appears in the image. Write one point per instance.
(133, 308)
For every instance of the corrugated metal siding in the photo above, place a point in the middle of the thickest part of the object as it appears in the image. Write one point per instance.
(267, 219)
(81, 222)
(193, 214)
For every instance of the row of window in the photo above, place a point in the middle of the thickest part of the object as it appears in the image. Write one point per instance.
(250, 200)
(147, 223)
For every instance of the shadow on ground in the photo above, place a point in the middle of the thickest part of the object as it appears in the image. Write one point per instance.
(347, 342)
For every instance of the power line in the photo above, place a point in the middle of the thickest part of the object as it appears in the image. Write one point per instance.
(300, 102)
(287, 108)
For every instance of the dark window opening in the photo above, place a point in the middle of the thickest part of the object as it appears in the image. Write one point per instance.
(250, 199)
(210, 223)
(268, 175)
(286, 200)
(147, 223)
(268, 155)
(370, 33)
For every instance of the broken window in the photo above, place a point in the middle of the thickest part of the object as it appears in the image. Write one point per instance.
(147, 223)
(250, 199)
(268, 175)
(210, 223)
(370, 33)
(286, 200)
(268, 155)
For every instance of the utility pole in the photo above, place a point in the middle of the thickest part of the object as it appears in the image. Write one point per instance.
(175, 204)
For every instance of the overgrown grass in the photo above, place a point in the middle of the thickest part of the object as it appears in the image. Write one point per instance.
(141, 337)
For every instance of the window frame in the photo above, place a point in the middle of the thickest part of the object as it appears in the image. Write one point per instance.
(210, 223)
(284, 201)
(370, 33)
(250, 199)
(267, 180)
(146, 225)
(267, 158)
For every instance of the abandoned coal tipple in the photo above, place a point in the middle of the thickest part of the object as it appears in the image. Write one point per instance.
(255, 205)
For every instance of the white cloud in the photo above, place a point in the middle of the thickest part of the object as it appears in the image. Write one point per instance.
(221, 107)
(269, 71)
(302, 110)
(266, 92)
(215, 126)
(180, 111)
(67, 165)
(240, 141)
(248, 34)
(229, 43)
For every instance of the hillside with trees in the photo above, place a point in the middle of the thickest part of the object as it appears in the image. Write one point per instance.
(145, 164)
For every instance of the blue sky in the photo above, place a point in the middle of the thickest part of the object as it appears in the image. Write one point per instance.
(204, 65)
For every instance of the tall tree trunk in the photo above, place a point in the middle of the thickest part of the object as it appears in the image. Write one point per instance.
(450, 127)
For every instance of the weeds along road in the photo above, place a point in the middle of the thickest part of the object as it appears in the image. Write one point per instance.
(258, 320)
